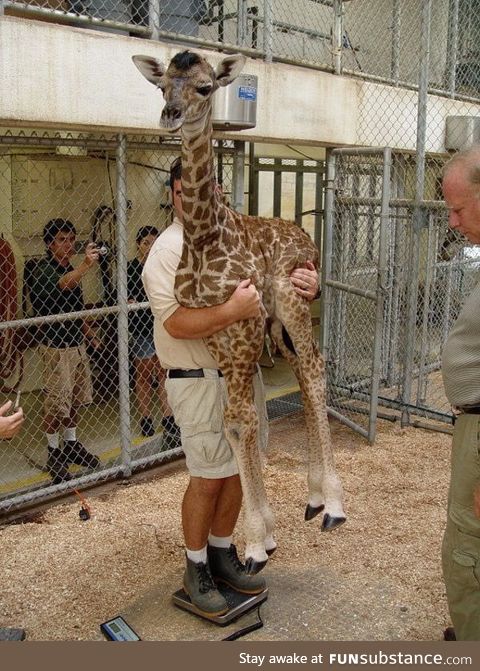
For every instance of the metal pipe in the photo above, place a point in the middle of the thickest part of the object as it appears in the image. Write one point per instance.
(122, 298)
(75, 19)
(326, 295)
(396, 26)
(348, 422)
(241, 22)
(60, 489)
(319, 208)
(337, 36)
(268, 30)
(424, 338)
(381, 292)
(452, 47)
(351, 289)
(299, 193)
(418, 218)
(238, 177)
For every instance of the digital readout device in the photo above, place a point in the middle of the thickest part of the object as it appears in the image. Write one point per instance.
(118, 630)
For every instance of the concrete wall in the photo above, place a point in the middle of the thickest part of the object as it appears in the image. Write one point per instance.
(53, 75)
(67, 77)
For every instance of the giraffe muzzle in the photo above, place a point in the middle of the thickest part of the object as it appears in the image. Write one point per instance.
(172, 118)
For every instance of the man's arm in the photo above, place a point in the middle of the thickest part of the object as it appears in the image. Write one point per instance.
(73, 278)
(194, 323)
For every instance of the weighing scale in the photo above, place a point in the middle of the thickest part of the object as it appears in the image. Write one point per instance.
(238, 604)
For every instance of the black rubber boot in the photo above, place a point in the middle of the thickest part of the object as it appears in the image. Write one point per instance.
(75, 453)
(198, 584)
(226, 567)
(57, 466)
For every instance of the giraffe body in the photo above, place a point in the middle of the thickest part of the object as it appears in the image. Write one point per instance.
(222, 247)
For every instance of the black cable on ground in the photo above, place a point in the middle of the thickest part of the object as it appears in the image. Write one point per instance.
(246, 630)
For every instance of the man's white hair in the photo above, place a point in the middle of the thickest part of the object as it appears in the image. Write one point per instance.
(470, 160)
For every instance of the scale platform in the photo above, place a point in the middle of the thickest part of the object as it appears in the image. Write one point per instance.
(238, 604)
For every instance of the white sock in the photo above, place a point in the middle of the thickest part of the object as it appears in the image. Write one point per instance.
(219, 541)
(70, 433)
(53, 440)
(197, 556)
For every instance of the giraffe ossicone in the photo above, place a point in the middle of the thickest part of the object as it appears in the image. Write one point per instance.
(222, 247)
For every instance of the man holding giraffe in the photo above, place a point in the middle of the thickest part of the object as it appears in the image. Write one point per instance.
(196, 393)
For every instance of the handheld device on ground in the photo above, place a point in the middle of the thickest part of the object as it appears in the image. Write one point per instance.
(117, 629)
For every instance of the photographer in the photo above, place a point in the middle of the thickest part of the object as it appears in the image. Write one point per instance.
(56, 289)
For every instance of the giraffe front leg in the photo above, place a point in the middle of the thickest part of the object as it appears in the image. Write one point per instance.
(241, 431)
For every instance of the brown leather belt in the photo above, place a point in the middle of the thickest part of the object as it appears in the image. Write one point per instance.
(173, 373)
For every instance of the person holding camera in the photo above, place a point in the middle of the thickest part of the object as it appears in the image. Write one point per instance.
(55, 288)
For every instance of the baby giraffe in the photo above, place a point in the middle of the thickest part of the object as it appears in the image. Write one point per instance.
(221, 247)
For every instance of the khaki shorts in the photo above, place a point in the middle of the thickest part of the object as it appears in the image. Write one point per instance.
(67, 381)
(198, 404)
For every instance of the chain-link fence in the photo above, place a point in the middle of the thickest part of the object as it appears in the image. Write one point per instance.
(374, 39)
(76, 334)
(394, 276)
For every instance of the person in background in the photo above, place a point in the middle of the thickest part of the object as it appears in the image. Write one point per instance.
(10, 425)
(461, 378)
(197, 395)
(55, 288)
(147, 367)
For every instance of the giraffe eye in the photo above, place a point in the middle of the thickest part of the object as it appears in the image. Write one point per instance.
(204, 90)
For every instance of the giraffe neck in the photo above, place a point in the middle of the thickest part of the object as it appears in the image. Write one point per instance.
(202, 209)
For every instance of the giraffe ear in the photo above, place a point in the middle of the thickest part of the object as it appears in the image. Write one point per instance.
(229, 69)
(150, 68)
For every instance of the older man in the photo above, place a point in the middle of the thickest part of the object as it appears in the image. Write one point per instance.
(461, 377)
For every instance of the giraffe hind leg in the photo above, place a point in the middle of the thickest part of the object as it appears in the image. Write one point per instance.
(321, 470)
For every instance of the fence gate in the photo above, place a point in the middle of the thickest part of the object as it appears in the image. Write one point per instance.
(354, 280)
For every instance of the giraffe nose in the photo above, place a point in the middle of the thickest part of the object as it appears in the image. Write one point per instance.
(172, 113)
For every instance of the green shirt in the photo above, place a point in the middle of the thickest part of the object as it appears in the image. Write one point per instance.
(47, 298)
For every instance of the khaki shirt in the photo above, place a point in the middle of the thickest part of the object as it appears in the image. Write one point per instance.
(159, 280)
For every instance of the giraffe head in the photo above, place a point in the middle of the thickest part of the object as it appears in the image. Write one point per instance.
(188, 84)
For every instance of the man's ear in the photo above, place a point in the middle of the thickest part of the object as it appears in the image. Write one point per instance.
(229, 69)
(150, 68)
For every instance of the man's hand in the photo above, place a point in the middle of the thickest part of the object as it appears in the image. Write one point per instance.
(92, 254)
(245, 301)
(10, 425)
(305, 281)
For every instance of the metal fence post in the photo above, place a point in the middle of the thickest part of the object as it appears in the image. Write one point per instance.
(268, 31)
(396, 16)
(238, 176)
(382, 274)
(326, 296)
(452, 47)
(337, 36)
(123, 366)
(418, 219)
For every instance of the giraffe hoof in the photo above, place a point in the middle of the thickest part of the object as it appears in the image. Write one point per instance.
(271, 551)
(253, 567)
(311, 512)
(330, 523)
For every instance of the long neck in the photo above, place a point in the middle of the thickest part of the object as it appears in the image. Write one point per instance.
(200, 201)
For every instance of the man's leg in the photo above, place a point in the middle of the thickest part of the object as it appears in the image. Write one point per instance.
(198, 510)
(227, 510)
